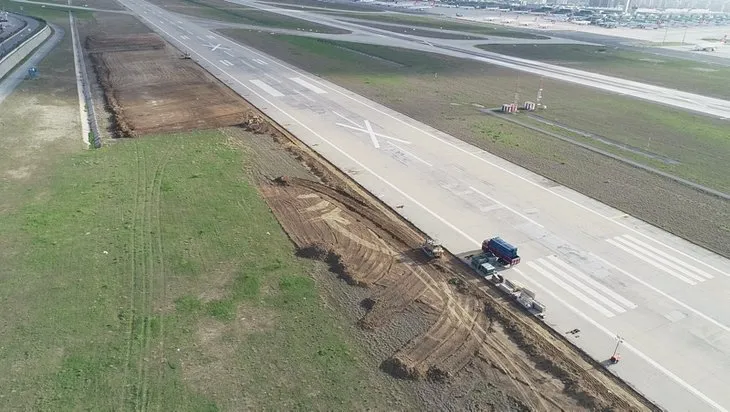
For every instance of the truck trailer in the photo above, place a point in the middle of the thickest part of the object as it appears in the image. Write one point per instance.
(506, 253)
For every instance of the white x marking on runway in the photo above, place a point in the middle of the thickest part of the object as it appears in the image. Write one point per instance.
(367, 129)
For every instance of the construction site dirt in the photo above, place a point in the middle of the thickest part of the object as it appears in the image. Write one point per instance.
(424, 322)
(150, 88)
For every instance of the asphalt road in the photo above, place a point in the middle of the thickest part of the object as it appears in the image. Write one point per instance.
(595, 268)
(16, 76)
(17, 30)
(465, 49)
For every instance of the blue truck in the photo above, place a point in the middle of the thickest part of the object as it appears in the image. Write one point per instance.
(506, 253)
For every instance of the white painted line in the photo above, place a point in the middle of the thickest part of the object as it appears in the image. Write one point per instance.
(410, 154)
(248, 64)
(272, 78)
(303, 95)
(226, 62)
(184, 37)
(594, 283)
(475, 155)
(310, 86)
(228, 53)
(179, 22)
(210, 36)
(651, 262)
(506, 207)
(372, 134)
(674, 259)
(590, 302)
(215, 47)
(360, 129)
(669, 266)
(626, 344)
(261, 62)
(268, 89)
(346, 119)
(199, 38)
(611, 305)
(664, 294)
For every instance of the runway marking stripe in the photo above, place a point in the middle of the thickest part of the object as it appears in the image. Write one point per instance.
(594, 283)
(626, 344)
(261, 62)
(272, 78)
(308, 85)
(506, 207)
(651, 262)
(456, 229)
(583, 287)
(410, 154)
(669, 266)
(268, 89)
(228, 53)
(226, 62)
(674, 259)
(303, 95)
(248, 64)
(590, 302)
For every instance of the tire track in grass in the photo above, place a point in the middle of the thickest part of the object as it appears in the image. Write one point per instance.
(133, 284)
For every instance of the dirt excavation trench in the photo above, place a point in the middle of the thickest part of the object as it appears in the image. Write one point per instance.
(470, 337)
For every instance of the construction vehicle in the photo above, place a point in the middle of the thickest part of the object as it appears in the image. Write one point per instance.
(506, 253)
(481, 263)
(432, 248)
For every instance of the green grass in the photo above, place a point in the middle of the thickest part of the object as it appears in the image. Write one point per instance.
(315, 4)
(414, 31)
(659, 70)
(229, 12)
(150, 271)
(439, 23)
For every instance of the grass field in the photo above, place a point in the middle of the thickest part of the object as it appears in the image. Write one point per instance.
(440, 91)
(663, 71)
(438, 23)
(151, 272)
(47, 13)
(229, 12)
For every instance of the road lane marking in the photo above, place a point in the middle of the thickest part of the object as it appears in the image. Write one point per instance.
(261, 62)
(410, 154)
(580, 285)
(590, 302)
(228, 53)
(303, 95)
(372, 134)
(268, 89)
(506, 207)
(272, 78)
(669, 266)
(346, 119)
(308, 85)
(226, 62)
(625, 344)
(361, 129)
(674, 259)
(476, 155)
(248, 64)
(586, 278)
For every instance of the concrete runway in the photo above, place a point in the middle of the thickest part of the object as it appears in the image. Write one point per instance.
(596, 269)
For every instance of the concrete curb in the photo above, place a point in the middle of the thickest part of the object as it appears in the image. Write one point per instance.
(19, 53)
